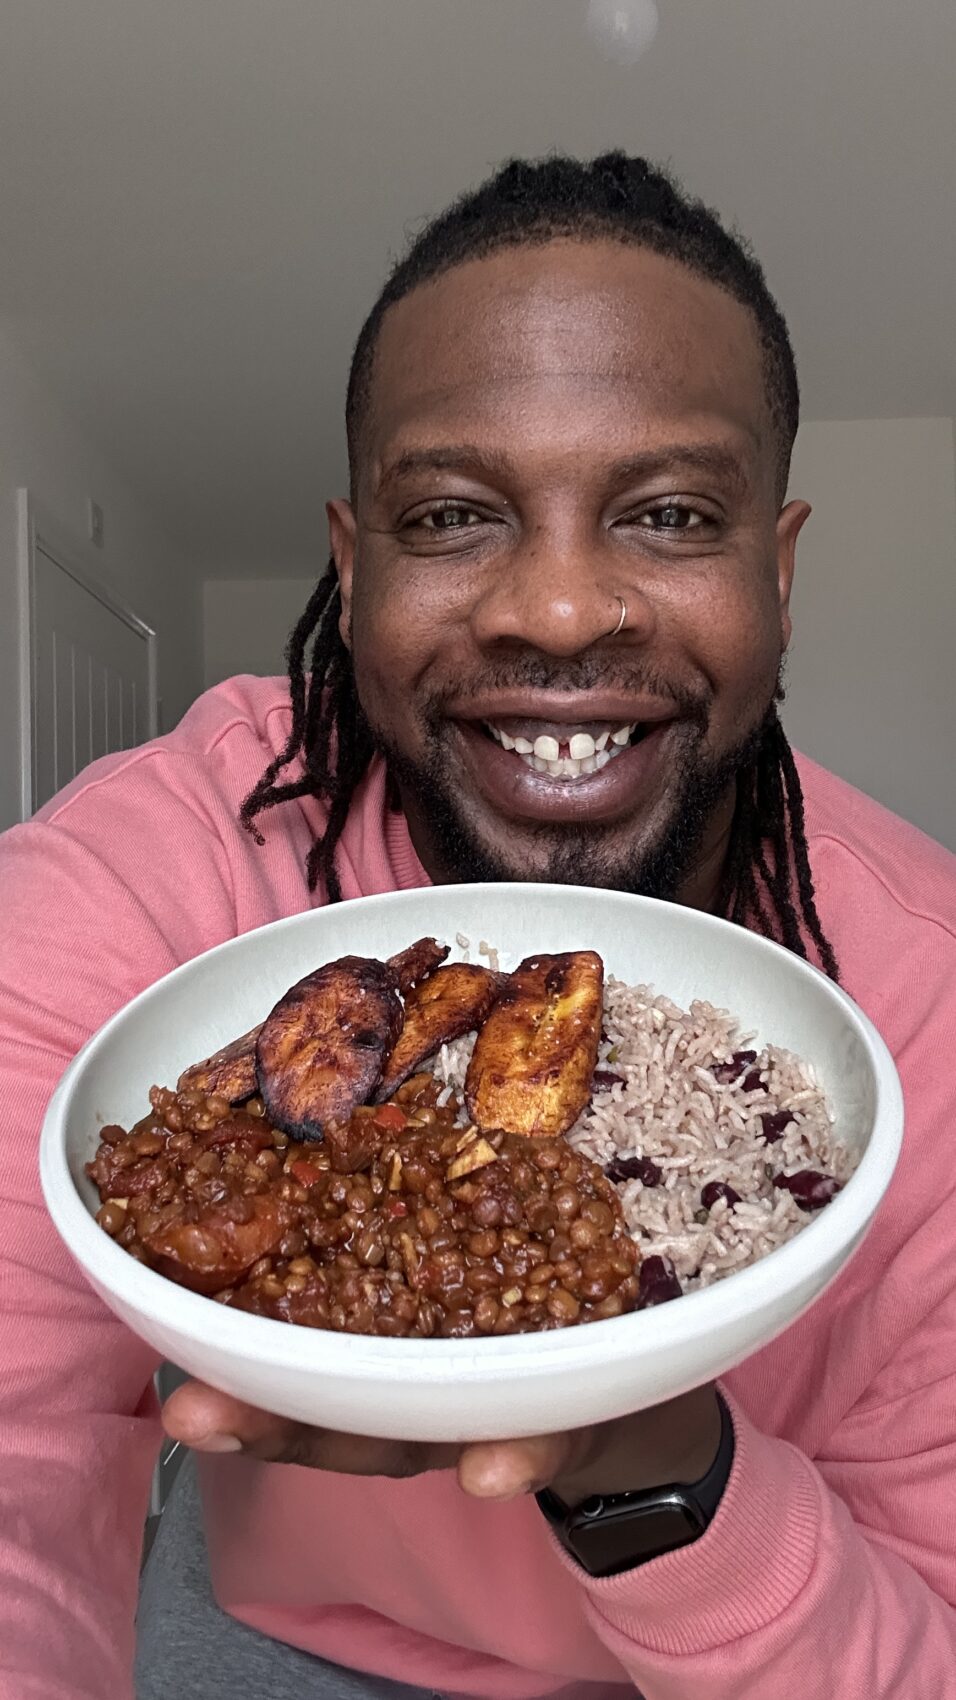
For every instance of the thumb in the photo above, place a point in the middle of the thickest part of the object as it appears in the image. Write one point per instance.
(209, 1421)
(505, 1469)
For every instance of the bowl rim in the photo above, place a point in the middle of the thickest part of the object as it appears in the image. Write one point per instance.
(283, 1347)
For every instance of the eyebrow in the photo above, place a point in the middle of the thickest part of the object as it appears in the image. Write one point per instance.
(456, 457)
(709, 458)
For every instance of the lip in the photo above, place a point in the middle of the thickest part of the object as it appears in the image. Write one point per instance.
(515, 791)
(572, 708)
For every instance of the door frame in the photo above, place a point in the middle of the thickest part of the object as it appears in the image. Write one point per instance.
(36, 528)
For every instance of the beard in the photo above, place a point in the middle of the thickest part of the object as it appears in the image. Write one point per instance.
(655, 862)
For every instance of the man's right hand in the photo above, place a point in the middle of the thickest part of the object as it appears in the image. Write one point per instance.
(672, 1442)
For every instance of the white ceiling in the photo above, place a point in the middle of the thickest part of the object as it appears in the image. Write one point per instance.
(198, 199)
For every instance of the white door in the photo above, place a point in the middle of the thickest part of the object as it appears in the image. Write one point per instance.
(90, 667)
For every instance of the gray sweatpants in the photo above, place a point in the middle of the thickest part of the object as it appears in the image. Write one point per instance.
(187, 1649)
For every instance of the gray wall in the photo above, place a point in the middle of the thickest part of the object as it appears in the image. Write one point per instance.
(872, 679)
(246, 622)
(42, 449)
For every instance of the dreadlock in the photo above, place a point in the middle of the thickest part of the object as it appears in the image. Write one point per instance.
(768, 884)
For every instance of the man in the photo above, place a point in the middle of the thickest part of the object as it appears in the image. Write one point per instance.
(570, 418)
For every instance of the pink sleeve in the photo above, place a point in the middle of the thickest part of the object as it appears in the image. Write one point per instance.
(78, 1428)
(833, 1579)
(830, 1568)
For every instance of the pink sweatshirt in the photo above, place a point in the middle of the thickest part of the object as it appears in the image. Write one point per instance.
(830, 1569)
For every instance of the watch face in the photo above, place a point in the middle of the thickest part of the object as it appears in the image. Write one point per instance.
(629, 1535)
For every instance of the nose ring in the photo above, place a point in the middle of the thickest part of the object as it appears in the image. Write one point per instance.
(620, 624)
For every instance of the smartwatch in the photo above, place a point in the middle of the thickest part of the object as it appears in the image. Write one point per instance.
(613, 1532)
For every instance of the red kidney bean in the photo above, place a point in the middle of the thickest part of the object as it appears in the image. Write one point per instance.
(809, 1188)
(726, 1072)
(774, 1124)
(718, 1189)
(634, 1169)
(658, 1283)
(604, 1078)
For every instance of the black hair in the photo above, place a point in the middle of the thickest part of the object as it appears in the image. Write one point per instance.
(768, 884)
(616, 197)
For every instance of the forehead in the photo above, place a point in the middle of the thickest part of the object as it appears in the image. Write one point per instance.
(571, 341)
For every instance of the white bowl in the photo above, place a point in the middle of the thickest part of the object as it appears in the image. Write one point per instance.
(476, 1389)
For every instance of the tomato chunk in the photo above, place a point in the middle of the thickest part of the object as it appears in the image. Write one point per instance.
(390, 1116)
(304, 1172)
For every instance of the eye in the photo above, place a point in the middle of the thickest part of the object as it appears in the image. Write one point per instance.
(450, 516)
(670, 516)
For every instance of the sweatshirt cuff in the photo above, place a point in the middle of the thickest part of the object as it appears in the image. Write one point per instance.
(744, 1571)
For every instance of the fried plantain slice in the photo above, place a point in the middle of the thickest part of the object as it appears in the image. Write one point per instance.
(413, 965)
(229, 1073)
(452, 1000)
(321, 1050)
(531, 1068)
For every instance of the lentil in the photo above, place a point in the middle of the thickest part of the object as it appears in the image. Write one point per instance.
(420, 1229)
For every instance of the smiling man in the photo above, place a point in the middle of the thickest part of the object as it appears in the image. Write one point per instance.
(576, 495)
(550, 647)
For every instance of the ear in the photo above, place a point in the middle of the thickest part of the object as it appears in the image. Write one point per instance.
(342, 541)
(790, 522)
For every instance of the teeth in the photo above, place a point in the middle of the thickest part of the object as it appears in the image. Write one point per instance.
(547, 748)
(566, 767)
(585, 754)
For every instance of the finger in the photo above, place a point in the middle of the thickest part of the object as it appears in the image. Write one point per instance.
(505, 1469)
(209, 1421)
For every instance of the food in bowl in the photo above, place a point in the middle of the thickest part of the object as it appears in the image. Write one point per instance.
(440, 1149)
(399, 1222)
(720, 1151)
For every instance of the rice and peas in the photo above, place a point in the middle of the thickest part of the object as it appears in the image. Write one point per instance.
(698, 1129)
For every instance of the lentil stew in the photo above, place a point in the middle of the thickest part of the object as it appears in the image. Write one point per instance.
(399, 1223)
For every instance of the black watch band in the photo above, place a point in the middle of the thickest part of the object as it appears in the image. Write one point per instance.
(619, 1531)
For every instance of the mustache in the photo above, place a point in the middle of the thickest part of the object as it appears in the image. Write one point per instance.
(573, 673)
